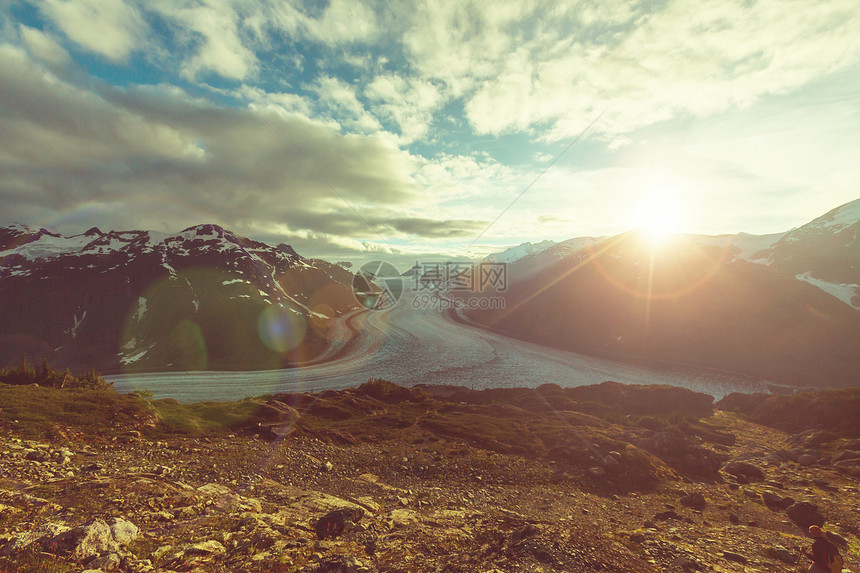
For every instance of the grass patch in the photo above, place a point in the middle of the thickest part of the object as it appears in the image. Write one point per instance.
(205, 417)
(33, 560)
(44, 412)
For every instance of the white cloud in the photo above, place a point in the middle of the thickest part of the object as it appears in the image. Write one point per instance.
(338, 100)
(343, 21)
(44, 47)
(212, 31)
(526, 67)
(408, 102)
(66, 148)
(110, 28)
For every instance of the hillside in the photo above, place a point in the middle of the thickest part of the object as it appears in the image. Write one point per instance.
(685, 303)
(201, 299)
(390, 479)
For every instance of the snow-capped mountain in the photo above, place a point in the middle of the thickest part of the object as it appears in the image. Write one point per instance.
(529, 258)
(824, 252)
(516, 253)
(743, 246)
(203, 298)
(772, 306)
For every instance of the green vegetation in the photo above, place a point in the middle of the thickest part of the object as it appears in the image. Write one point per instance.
(24, 375)
(46, 403)
(33, 560)
(205, 417)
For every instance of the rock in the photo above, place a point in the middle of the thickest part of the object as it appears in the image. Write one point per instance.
(341, 564)
(91, 538)
(107, 562)
(368, 503)
(40, 534)
(637, 537)
(836, 539)
(215, 489)
(37, 456)
(804, 514)
(807, 459)
(162, 470)
(744, 469)
(782, 554)
(667, 515)
(327, 466)
(774, 501)
(846, 455)
(123, 531)
(683, 562)
(210, 547)
(823, 484)
(694, 500)
(336, 522)
(402, 517)
(736, 557)
(596, 472)
(811, 438)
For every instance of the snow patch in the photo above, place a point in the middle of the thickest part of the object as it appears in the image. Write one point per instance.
(845, 293)
(233, 281)
(141, 308)
(74, 330)
(49, 246)
(125, 360)
(839, 218)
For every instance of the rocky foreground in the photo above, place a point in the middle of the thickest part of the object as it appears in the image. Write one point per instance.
(383, 478)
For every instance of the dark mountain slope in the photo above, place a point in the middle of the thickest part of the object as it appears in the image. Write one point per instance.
(687, 303)
(201, 299)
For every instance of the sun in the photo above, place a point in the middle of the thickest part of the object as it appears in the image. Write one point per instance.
(658, 215)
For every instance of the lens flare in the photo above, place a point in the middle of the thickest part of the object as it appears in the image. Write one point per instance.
(281, 329)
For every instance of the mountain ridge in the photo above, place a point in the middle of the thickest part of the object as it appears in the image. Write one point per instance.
(146, 300)
(691, 302)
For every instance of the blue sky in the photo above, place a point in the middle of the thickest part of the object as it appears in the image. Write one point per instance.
(402, 130)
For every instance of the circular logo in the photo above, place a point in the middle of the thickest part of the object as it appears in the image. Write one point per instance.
(377, 285)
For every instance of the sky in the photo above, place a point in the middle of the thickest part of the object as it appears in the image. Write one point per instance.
(427, 130)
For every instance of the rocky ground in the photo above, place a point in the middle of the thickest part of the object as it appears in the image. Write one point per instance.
(357, 482)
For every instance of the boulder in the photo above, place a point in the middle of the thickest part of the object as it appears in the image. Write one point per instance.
(736, 557)
(123, 531)
(336, 522)
(37, 456)
(210, 547)
(87, 540)
(106, 562)
(745, 470)
(774, 501)
(782, 554)
(812, 438)
(694, 500)
(807, 459)
(39, 535)
(804, 514)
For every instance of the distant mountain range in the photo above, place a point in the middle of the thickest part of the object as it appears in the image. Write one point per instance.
(781, 307)
(142, 301)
